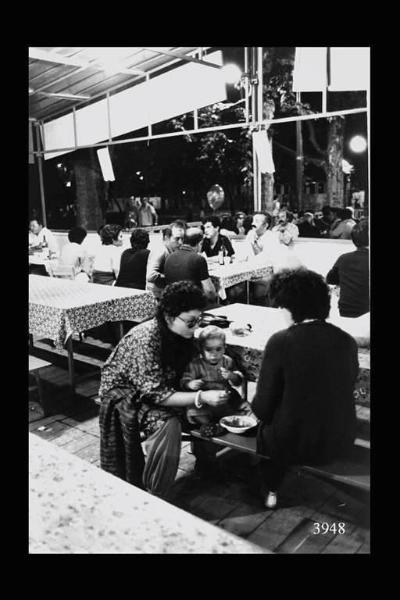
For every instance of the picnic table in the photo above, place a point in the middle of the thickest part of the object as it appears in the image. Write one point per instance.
(77, 508)
(227, 275)
(264, 321)
(60, 307)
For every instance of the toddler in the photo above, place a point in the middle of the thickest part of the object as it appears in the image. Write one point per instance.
(213, 370)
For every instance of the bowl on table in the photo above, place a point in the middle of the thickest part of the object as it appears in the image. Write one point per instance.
(240, 328)
(238, 423)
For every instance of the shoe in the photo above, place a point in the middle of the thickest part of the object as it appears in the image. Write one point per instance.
(270, 500)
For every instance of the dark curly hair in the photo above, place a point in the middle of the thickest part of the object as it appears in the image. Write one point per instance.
(180, 297)
(139, 239)
(77, 234)
(359, 233)
(109, 233)
(213, 219)
(304, 293)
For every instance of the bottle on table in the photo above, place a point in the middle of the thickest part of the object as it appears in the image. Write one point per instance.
(221, 255)
(45, 247)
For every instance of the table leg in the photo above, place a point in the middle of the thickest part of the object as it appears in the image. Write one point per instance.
(71, 369)
(31, 340)
(120, 329)
(248, 291)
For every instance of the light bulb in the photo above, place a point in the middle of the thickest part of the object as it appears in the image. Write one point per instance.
(232, 73)
(358, 143)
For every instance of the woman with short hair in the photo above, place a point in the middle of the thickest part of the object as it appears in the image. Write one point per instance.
(304, 397)
(132, 272)
(107, 259)
(139, 392)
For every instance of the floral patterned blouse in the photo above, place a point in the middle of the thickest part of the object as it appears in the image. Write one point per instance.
(136, 363)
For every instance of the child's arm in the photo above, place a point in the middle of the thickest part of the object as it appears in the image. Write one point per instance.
(190, 379)
(229, 373)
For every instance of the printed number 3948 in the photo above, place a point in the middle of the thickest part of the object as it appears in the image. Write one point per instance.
(325, 528)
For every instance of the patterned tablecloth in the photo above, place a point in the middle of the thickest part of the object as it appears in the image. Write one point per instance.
(248, 350)
(225, 276)
(60, 307)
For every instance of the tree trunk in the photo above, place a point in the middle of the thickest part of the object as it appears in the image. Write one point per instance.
(334, 177)
(90, 190)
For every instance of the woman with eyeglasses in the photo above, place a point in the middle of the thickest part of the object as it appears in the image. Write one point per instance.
(140, 397)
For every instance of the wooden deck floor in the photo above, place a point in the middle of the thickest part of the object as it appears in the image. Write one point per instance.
(232, 503)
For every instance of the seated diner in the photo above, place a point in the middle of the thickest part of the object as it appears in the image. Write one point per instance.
(140, 397)
(304, 397)
(107, 259)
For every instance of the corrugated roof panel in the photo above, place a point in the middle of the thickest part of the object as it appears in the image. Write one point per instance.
(88, 75)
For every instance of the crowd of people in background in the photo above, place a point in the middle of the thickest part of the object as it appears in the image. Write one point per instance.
(269, 239)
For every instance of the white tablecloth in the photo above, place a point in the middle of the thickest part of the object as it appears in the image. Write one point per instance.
(76, 508)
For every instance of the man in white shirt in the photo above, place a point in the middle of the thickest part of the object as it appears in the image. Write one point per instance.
(287, 230)
(73, 254)
(40, 236)
(147, 213)
(261, 243)
(262, 248)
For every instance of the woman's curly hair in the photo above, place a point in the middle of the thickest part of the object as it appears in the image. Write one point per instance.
(180, 297)
(304, 293)
(109, 233)
(139, 239)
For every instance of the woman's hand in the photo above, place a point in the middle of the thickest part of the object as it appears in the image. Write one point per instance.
(195, 384)
(215, 397)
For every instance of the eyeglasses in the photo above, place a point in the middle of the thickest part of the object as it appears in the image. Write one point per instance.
(192, 323)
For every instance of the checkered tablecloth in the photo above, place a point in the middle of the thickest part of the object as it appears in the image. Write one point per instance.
(60, 307)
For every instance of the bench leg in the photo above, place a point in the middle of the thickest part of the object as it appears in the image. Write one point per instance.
(71, 369)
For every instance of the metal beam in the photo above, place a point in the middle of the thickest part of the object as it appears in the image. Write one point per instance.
(62, 95)
(37, 54)
(182, 57)
(41, 183)
(251, 125)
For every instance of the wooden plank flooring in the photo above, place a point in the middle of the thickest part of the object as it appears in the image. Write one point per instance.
(231, 503)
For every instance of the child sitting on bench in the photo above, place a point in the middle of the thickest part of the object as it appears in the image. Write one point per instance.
(213, 370)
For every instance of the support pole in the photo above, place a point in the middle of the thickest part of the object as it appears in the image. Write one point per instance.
(246, 84)
(299, 161)
(254, 118)
(368, 150)
(39, 158)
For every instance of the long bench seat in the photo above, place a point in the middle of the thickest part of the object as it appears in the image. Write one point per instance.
(354, 472)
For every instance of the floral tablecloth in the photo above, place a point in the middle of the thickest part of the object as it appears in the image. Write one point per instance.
(225, 276)
(265, 322)
(59, 307)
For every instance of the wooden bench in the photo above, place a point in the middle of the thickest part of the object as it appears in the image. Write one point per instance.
(354, 472)
(35, 364)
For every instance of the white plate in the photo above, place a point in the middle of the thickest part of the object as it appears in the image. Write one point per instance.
(238, 423)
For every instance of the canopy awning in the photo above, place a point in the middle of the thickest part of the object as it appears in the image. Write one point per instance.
(64, 77)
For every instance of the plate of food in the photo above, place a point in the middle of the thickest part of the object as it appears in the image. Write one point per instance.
(241, 329)
(238, 423)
